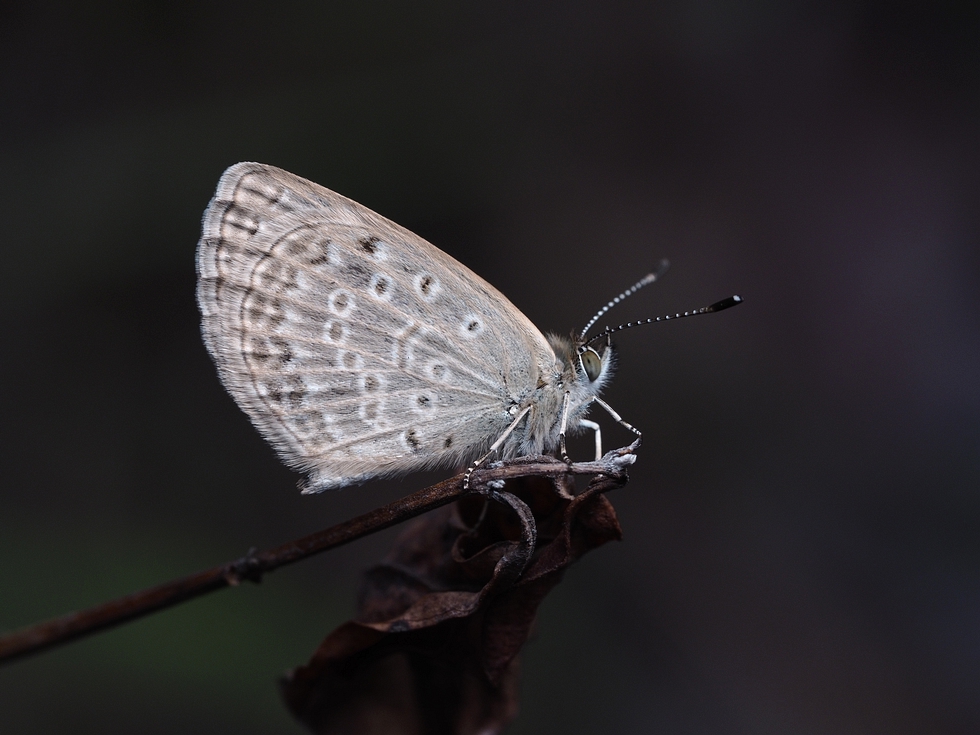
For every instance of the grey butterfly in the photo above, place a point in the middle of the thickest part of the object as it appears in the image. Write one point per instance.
(359, 350)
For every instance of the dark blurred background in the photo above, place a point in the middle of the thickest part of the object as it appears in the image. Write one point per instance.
(802, 550)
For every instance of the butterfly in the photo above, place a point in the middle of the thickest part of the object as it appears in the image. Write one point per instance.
(359, 350)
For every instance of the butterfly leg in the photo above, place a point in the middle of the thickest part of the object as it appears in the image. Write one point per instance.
(582, 422)
(494, 447)
(617, 417)
(563, 428)
(598, 436)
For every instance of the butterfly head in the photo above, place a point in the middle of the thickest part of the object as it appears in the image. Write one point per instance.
(594, 363)
(584, 369)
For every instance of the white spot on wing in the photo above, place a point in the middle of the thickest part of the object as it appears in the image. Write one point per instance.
(471, 327)
(427, 286)
(340, 302)
(380, 287)
(334, 331)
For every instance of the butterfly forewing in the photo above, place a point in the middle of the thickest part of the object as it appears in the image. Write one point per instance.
(357, 348)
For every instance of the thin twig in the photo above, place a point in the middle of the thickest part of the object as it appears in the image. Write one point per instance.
(36, 638)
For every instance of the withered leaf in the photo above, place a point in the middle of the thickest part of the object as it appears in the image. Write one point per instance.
(434, 648)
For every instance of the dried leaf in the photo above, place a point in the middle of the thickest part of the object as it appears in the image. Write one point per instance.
(434, 648)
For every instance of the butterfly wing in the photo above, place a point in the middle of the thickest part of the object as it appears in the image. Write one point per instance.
(355, 347)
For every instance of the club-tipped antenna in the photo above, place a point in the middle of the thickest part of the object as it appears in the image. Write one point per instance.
(645, 281)
(717, 306)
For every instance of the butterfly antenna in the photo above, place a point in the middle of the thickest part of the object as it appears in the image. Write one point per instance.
(717, 306)
(645, 281)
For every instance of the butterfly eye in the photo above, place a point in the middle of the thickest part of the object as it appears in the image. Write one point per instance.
(591, 363)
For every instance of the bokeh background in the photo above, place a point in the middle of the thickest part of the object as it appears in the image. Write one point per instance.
(802, 550)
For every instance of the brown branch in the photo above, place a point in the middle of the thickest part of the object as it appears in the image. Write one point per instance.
(36, 638)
